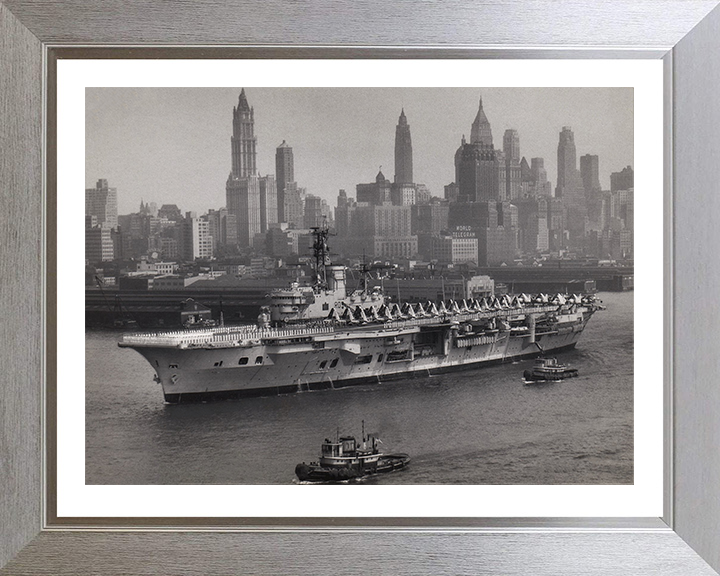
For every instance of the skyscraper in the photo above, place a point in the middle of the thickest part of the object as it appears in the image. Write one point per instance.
(623, 180)
(243, 139)
(513, 170)
(590, 172)
(479, 168)
(294, 205)
(403, 152)
(284, 174)
(101, 202)
(268, 202)
(480, 132)
(570, 188)
(251, 199)
(566, 163)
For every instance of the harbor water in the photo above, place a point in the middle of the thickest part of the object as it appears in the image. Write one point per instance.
(477, 426)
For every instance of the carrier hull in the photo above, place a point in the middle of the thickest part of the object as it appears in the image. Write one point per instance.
(339, 357)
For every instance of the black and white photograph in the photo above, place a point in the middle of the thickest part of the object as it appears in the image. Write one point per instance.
(359, 285)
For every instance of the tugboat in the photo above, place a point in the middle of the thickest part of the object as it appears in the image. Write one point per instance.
(346, 459)
(549, 369)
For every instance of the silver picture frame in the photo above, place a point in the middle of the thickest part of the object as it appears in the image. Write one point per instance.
(685, 34)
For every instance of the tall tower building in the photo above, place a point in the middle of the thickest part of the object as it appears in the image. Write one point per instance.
(511, 145)
(590, 172)
(101, 202)
(566, 162)
(403, 152)
(284, 174)
(570, 189)
(480, 132)
(243, 139)
(513, 170)
(480, 171)
(268, 202)
(243, 185)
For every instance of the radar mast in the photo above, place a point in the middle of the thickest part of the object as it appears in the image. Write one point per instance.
(321, 252)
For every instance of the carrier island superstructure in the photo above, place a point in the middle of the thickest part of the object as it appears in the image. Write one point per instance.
(319, 336)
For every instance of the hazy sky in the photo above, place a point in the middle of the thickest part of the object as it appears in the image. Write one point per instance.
(172, 145)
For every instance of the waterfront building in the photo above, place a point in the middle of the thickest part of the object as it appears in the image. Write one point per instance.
(196, 239)
(101, 202)
(98, 245)
(456, 247)
(395, 247)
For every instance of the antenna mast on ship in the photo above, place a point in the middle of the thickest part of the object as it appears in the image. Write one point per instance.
(321, 252)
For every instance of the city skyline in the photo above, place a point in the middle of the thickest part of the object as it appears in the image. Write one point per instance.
(172, 145)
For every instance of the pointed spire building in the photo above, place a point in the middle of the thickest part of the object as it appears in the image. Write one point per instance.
(243, 140)
(250, 198)
(403, 151)
(481, 132)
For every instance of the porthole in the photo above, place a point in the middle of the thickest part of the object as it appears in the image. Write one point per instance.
(243, 361)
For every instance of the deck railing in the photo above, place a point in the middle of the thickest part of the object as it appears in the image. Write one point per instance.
(220, 336)
(235, 335)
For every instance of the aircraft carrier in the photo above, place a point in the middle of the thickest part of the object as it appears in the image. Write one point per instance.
(319, 336)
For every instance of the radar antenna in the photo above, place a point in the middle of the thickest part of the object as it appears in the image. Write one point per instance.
(321, 252)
